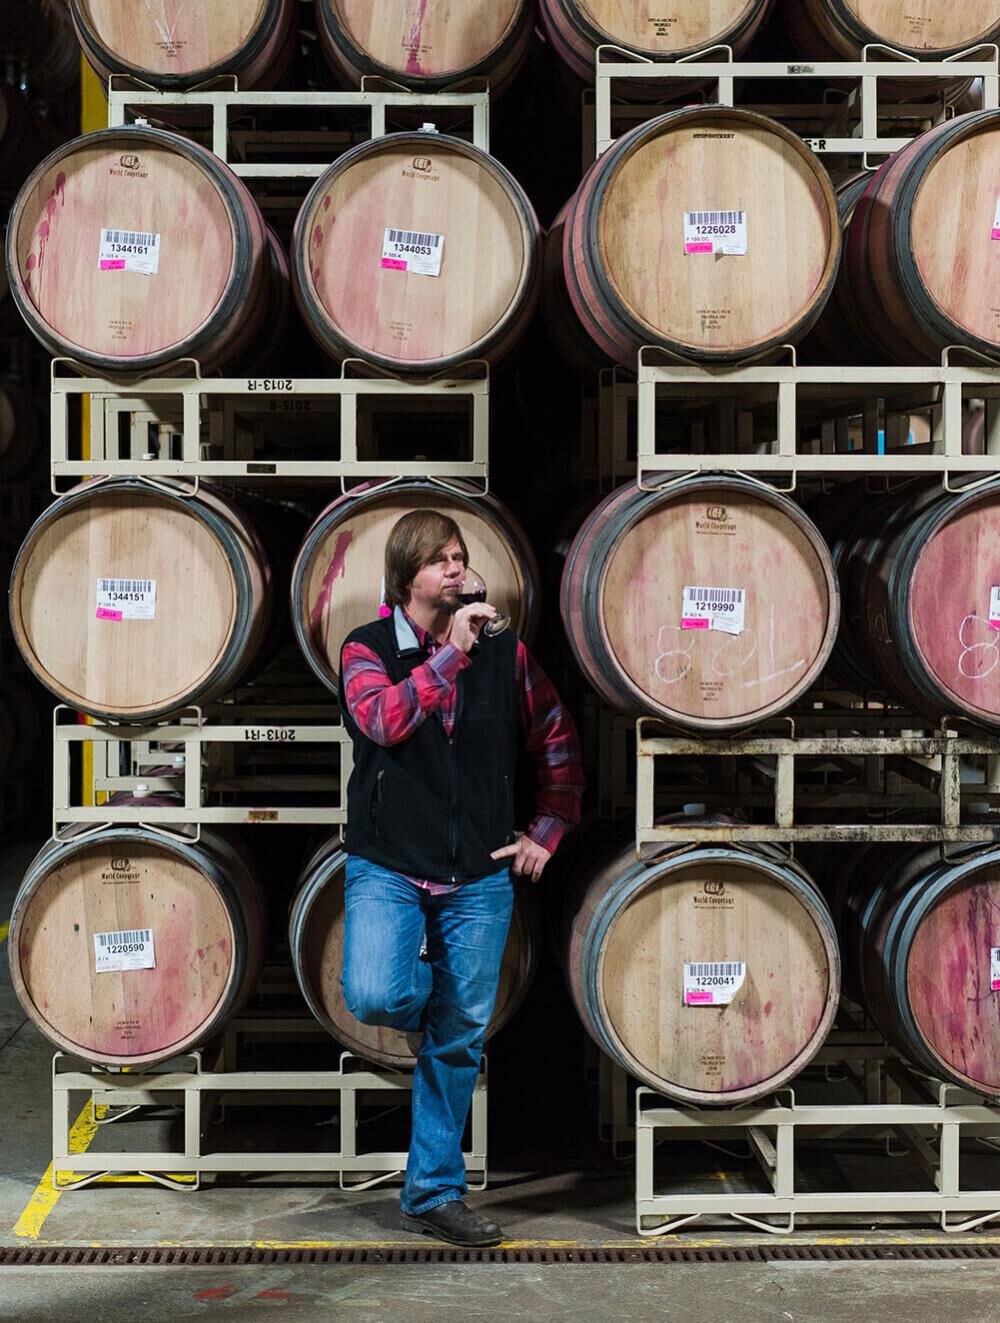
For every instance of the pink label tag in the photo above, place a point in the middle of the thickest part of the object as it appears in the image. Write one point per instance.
(105, 613)
(688, 622)
(697, 998)
(698, 247)
(117, 265)
(385, 611)
(392, 264)
(995, 985)
(996, 233)
(994, 624)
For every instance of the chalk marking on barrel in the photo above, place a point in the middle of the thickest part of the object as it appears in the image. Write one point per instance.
(972, 647)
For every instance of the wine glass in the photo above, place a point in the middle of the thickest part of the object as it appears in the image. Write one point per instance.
(474, 590)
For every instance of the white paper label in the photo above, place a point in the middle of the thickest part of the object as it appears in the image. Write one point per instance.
(996, 221)
(410, 250)
(995, 968)
(126, 599)
(716, 232)
(995, 607)
(129, 250)
(713, 982)
(132, 949)
(714, 608)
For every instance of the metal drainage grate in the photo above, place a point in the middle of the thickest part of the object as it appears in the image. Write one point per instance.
(52, 1256)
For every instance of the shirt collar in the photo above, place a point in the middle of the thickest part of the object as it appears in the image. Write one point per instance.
(411, 637)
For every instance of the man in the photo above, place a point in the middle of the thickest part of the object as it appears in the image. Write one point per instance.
(433, 706)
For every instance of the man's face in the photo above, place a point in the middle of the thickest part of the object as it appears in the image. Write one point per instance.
(436, 584)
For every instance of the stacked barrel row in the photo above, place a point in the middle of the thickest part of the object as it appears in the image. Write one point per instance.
(713, 234)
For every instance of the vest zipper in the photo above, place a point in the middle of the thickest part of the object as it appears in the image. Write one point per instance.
(377, 801)
(452, 816)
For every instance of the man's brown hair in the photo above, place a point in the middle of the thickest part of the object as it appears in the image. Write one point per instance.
(414, 542)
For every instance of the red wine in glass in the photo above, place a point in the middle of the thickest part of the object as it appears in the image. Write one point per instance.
(474, 590)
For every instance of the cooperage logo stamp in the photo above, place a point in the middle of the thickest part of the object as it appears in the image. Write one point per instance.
(129, 161)
(718, 513)
(121, 865)
(423, 164)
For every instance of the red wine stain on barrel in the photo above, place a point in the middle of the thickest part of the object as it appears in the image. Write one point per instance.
(317, 236)
(416, 35)
(335, 570)
(326, 202)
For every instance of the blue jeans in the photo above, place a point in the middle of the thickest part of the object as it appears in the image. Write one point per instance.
(449, 996)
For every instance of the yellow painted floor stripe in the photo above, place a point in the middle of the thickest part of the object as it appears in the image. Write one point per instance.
(4, 930)
(46, 1196)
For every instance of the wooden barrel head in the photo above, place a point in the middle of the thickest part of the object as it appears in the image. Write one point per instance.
(696, 299)
(952, 584)
(136, 664)
(650, 26)
(132, 1014)
(952, 231)
(82, 289)
(427, 38)
(712, 911)
(948, 980)
(172, 37)
(338, 580)
(455, 213)
(716, 539)
(933, 25)
(317, 941)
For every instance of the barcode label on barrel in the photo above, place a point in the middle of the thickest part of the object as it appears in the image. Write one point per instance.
(714, 608)
(995, 968)
(712, 982)
(716, 232)
(994, 616)
(126, 599)
(413, 251)
(129, 250)
(129, 949)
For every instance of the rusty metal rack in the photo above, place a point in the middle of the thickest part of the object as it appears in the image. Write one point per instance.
(218, 427)
(853, 119)
(760, 419)
(930, 1128)
(131, 102)
(934, 760)
(198, 753)
(187, 1084)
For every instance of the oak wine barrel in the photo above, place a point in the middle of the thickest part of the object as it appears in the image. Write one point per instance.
(337, 577)
(40, 45)
(426, 45)
(841, 334)
(920, 579)
(201, 905)
(416, 252)
(629, 929)
(921, 947)
(644, 240)
(130, 248)
(923, 243)
(132, 601)
(576, 28)
(21, 438)
(751, 635)
(840, 29)
(316, 940)
(174, 45)
(22, 139)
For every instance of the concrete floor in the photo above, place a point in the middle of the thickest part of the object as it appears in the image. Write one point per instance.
(550, 1182)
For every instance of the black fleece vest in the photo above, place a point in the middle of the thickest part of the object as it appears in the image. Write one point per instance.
(435, 806)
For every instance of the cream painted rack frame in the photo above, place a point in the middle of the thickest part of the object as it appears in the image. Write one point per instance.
(844, 395)
(199, 417)
(716, 65)
(931, 1129)
(354, 1084)
(125, 95)
(196, 736)
(947, 746)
